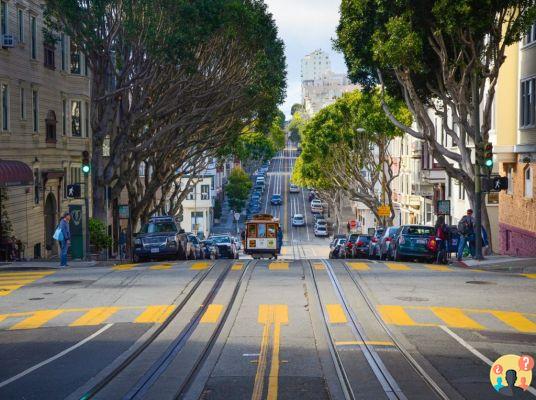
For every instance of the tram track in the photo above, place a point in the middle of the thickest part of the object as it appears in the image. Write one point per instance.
(387, 383)
(162, 364)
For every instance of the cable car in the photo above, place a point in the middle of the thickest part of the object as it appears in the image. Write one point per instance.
(260, 239)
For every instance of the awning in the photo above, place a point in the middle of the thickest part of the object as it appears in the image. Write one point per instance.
(15, 173)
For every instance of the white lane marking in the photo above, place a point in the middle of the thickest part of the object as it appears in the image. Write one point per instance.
(476, 352)
(54, 358)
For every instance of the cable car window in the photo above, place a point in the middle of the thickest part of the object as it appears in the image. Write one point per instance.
(262, 230)
(252, 230)
(271, 230)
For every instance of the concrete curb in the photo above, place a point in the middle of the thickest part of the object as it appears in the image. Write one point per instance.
(516, 266)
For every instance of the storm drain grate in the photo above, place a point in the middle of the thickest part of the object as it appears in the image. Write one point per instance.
(481, 283)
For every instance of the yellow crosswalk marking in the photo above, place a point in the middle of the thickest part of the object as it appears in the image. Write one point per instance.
(278, 265)
(516, 320)
(530, 276)
(237, 267)
(200, 266)
(319, 266)
(160, 267)
(441, 268)
(95, 316)
(396, 315)
(154, 314)
(359, 266)
(336, 314)
(10, 281)
(397, 267)
(124, 267)
(212, 314)
(38, 319)
(455, 318)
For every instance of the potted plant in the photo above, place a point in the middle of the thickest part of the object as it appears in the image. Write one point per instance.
(99, 239)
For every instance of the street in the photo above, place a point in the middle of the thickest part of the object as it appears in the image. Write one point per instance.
(301, 327)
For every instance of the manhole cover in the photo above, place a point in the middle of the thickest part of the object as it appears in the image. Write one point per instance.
(409, 298)
(480, 283)
(68, 282)
(46, 293)
(36, 298)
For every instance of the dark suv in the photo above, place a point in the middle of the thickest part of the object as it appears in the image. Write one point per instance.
(161, 238)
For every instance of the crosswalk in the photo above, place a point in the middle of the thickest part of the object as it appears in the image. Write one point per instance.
(11, 281)
(396, 266)
(461, 318)
(196, 266)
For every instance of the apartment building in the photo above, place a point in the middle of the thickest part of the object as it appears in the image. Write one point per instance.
(516, 147)
(44, 123)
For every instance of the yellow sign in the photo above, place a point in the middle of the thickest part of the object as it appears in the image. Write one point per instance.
(384, 210)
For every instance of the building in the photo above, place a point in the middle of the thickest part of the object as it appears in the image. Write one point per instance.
(44, 123)
(516, 147)
(321, 86)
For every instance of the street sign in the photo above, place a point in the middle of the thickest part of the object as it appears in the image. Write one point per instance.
(74, 191)
(495, 184)
(384, 210)
(443, 207)
(123, 211)
(236, 216)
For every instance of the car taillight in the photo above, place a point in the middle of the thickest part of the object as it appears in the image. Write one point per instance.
(387, 239)
(374, 239)
(432, 244)
(349, 244)
(360, 243)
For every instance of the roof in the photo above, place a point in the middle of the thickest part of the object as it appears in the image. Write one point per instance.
(15, 173)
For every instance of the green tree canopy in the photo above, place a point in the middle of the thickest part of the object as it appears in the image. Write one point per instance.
(237, 189)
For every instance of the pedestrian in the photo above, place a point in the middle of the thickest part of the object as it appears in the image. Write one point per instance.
(466, 229)
(63, 236)
(279, 239)
(122, 245)
(442, 237)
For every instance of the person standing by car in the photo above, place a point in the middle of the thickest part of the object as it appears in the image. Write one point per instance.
(65, 241)
(466, 228)
(279, 239)
(442, 235)
(122, 245)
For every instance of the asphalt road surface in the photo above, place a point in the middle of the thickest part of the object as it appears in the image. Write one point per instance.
(302, 327)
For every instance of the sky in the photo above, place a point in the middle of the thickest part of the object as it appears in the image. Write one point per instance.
(304, 26)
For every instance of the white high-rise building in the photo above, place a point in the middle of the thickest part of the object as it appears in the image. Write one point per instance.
(315, 65)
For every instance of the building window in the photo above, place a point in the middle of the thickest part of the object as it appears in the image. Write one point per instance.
(75, 59)
(5, 107)
(530, 37)
(20, 19)
(49, 56)
(510, 175)
(205, 192)
(528, 182)
(64, 117)
(36, 186)
(33, 31)
(86, 118)
(75, 118)
(76, 175)
(35, 110)
(50, 122)
(22, 104)
(63, 51)
(528, 103)
(3, 18)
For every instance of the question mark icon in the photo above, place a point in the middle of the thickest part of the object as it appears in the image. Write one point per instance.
(526, 363)
(498, 369)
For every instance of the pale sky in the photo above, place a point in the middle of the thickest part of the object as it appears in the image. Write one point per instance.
(304, 26)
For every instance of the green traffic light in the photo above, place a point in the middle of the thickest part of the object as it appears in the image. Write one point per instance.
(86, 168)
(489, 163)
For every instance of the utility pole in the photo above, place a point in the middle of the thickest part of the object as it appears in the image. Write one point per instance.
(478, 179)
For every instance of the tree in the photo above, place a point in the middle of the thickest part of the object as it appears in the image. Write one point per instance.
(5, 223)
(430, 54)
(237, 189)
(296, 125)
(346, 149)
(297, 107)
(172, 80)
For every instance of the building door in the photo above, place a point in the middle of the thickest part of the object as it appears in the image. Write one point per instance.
(50, 223)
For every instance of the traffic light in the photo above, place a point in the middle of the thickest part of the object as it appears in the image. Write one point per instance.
(86, 165)
(488, 155)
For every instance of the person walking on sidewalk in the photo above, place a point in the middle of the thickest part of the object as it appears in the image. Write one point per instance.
(466, 228)
(65, 241)
(279, 239)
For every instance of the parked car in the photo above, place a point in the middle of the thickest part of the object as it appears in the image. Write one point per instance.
(161, 238)
(293, 188)
(259, 187)
(195, 247)
(298, 220)
(276, 200)
(385, 242)
(226, 246)
(416, 242)
(260, 180)
(316, 206)
(374, 246)
(321, 230)
(335, 239)
(209, 250)
(361, 246)
(335, 249)
(350, 241)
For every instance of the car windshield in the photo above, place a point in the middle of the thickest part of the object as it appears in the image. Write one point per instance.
(379, 232)
(298, 217)
(276, 196)
(342, 241)
(419, 230)
(393, 231)
(321, 228)
(364, 239)
(353, 238)
(158, 227)
(221, 239)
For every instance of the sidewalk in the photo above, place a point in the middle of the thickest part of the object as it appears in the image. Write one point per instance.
(500, 263)
(38, 264)
(227, 223)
